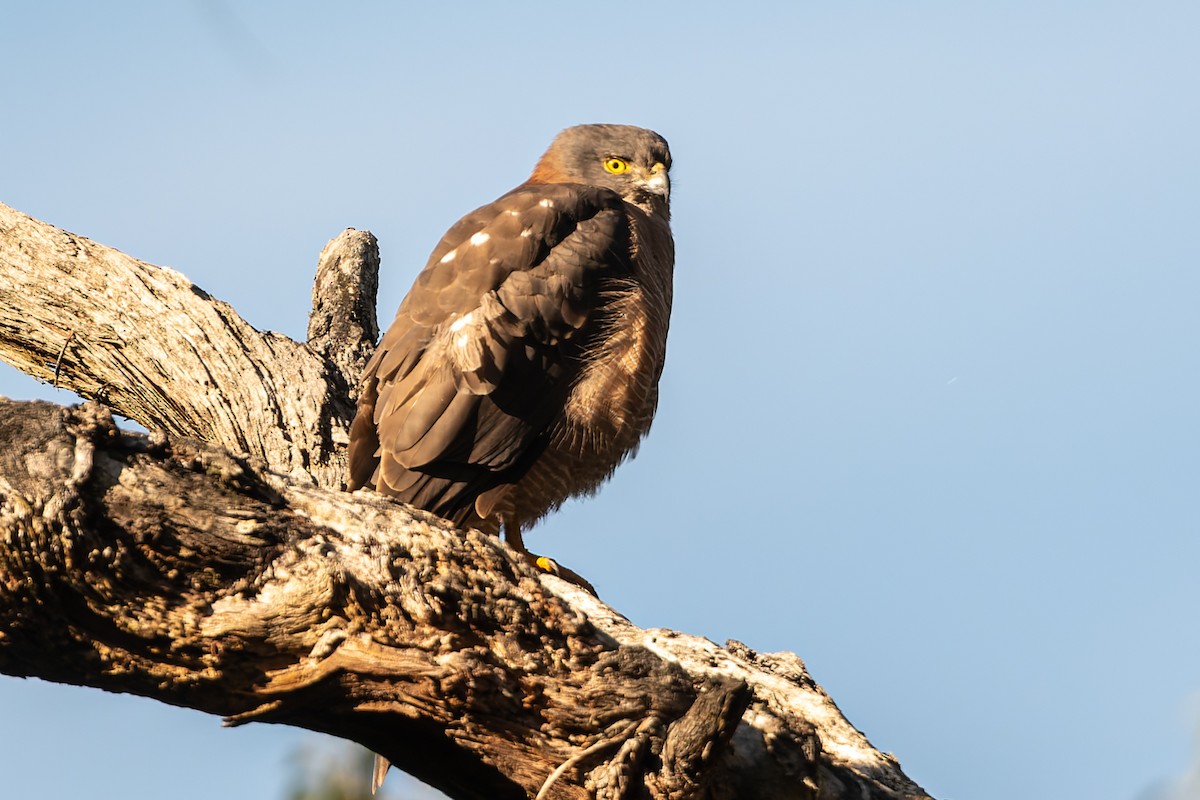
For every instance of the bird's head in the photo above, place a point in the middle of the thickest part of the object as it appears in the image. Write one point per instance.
(633, 162)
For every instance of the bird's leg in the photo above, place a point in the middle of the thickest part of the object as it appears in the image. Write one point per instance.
(512, 535)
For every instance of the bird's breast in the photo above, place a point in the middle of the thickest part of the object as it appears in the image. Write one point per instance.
(617, 391)
(614, 392)
(615, 397)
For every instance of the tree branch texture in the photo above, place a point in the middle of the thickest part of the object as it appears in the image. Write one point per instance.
(215, 564)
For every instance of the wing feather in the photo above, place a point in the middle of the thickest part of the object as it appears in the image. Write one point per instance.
(469, 380)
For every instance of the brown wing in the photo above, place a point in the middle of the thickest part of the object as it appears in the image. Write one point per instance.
(469, 379)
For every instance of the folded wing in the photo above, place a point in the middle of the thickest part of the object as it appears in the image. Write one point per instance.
(471, 378)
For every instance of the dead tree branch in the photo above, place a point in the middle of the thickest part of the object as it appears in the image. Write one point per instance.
(154, 347)
(217, 565)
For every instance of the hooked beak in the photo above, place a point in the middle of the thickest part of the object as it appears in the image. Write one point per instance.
(657, 181)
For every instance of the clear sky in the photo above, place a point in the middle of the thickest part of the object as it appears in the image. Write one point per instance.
(929, 418)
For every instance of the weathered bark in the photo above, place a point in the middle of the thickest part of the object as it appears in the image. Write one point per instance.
(148, 343)
(216, 565)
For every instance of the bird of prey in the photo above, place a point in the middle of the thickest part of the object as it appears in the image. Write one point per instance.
(523, 365)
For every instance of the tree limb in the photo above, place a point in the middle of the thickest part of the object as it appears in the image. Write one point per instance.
(220, 568)
(154, 347)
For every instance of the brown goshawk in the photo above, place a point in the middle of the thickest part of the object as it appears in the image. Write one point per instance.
(523, 365)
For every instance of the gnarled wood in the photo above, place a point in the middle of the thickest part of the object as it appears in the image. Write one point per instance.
(154, 347)
(230, 574)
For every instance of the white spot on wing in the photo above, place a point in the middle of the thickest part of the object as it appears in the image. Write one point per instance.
(479, 238)
(546, 203)
(513, 213)
(525, 234)
(461, 322)
(461, 338)
(446, 259)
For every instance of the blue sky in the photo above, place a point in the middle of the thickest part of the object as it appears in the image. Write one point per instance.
(929, 418)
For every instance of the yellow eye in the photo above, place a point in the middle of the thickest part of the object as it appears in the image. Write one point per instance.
(616, 165)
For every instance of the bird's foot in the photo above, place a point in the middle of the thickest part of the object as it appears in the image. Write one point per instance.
(512, 535)
(544, 564)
